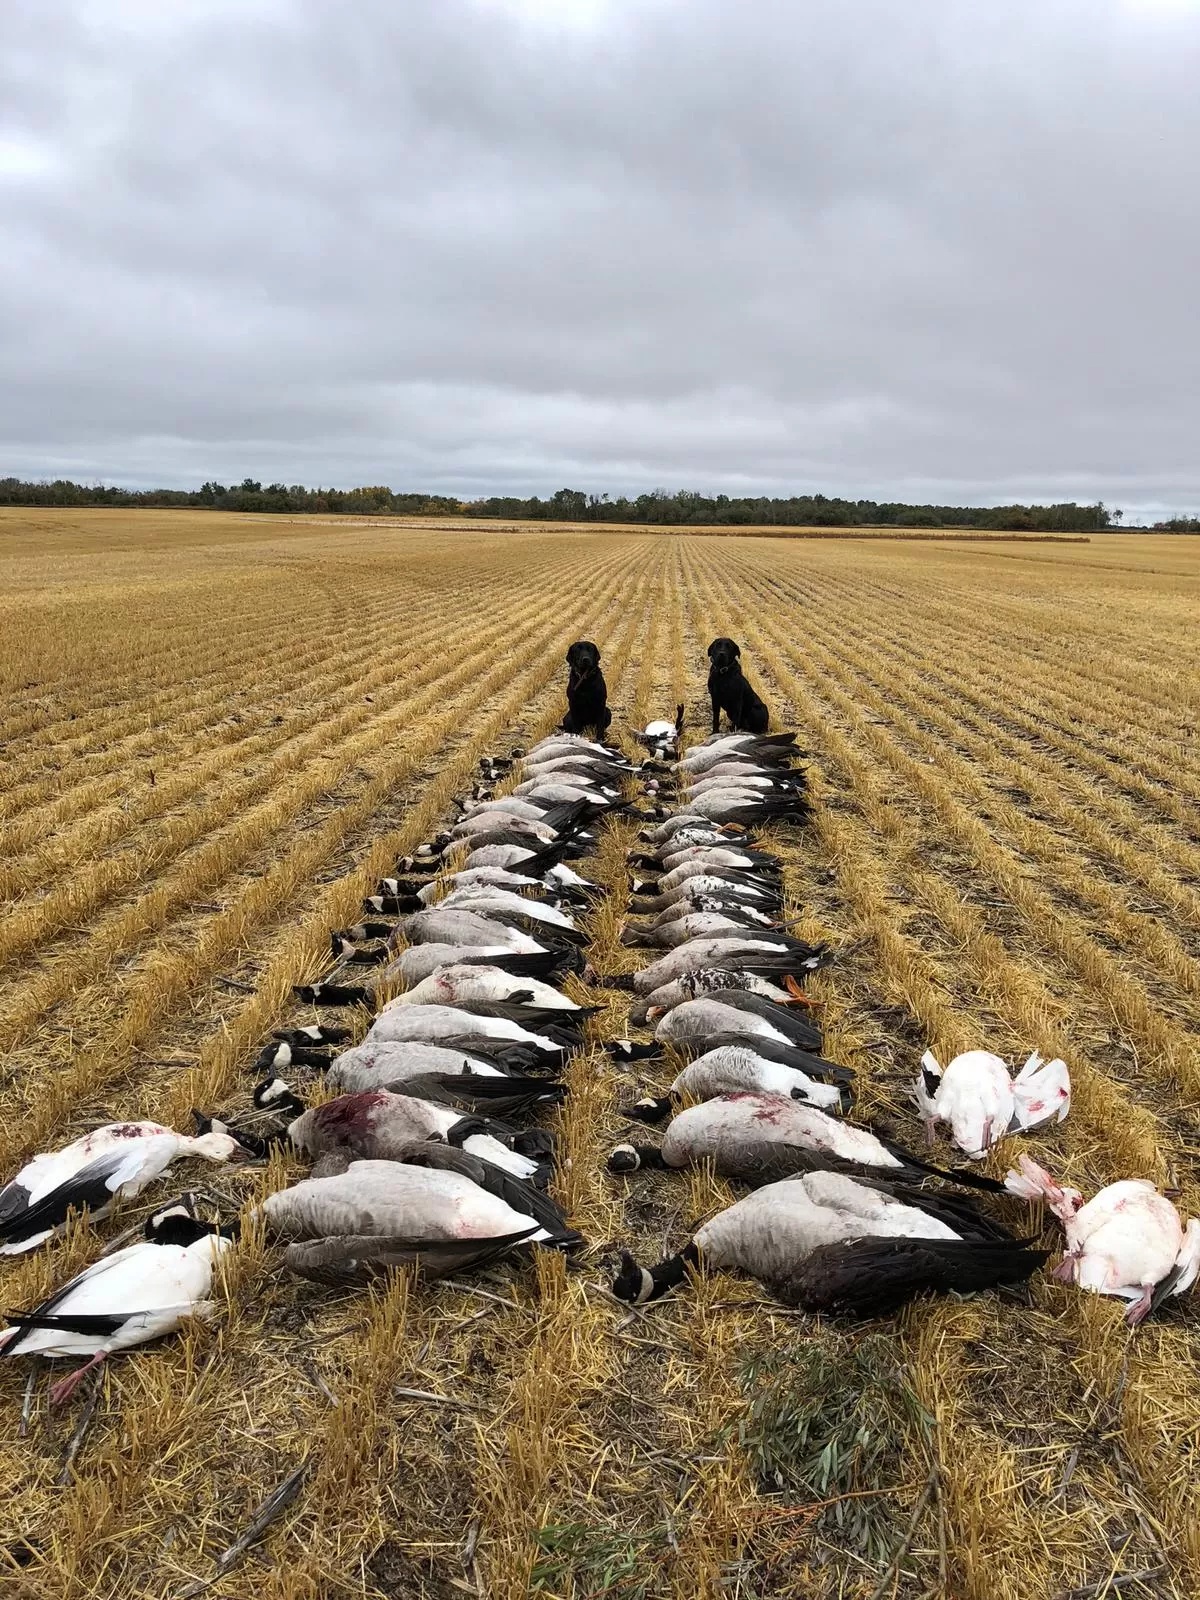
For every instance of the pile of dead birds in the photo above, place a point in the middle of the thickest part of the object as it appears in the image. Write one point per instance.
(839, 1218)
(431, 1152)
(427, 1153)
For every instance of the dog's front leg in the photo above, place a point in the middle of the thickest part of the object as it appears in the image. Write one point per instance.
(716, 705)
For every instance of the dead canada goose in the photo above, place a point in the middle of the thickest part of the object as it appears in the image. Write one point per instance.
(415, 964)
(421, 961)
(553, 1032)
(730, 1069)
(379, 1064)
(763, 750)
(735, 1012)
(760, 1138)
(502, 904)
(706, 981)
(559, 883)
(692, 925)
(829, 1243)
(775, 954)
(455, 925)
(721, 899)
(745, 806)
(700, 874)
(698, 834)
(354, 1259)
(371, 1125)
(378, 1214)
(461, 984)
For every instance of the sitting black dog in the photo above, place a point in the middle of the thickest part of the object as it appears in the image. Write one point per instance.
(731, 693)
(587, 692)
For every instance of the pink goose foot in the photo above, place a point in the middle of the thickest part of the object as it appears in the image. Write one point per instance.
(1064, 1272)
(1140, 1309)
(64, 1389)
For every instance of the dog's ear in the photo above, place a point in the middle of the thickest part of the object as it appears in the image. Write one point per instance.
(737, 649)
(712, 647)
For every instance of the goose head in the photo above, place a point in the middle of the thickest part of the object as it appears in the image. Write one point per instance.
(313, 1033)
(273, 1094)
(177, 1224)
(633, 1157)
(1033, 1183)
(214, 1141)
(633, 1283)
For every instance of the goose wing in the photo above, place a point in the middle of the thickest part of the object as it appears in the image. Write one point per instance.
(349, 1259)
(759, 1162)
(514, 1191)
(872, 1277)
(498, 1096)
(92, 1186)
(802, 1033)
(785, 1056)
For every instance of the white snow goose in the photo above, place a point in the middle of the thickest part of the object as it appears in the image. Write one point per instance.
(982, 1104)
(124, 1299)
(661, 737)
(1126, 1241)
(117, 1160)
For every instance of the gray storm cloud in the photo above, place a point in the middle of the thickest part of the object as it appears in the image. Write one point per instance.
(937, 251)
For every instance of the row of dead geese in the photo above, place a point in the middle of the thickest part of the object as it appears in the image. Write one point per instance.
(422, 1155)
(841, 1218)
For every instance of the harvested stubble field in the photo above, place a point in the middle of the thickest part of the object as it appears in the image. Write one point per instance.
(217, 733)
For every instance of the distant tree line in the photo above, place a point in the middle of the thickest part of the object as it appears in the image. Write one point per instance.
(249, 495)
(797, 511)
(573, 505)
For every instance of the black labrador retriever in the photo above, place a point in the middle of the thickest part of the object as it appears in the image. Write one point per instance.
(587, 692)
(731, 693)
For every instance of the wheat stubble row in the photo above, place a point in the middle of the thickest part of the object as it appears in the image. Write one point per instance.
(315, 658)
(319, 745)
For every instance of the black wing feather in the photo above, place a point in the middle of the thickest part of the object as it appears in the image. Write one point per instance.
(87, 1187)
(873, 1277)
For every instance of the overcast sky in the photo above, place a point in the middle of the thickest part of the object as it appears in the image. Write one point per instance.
(938, 250)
